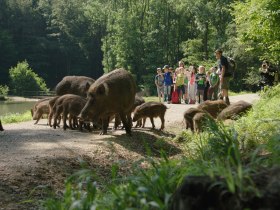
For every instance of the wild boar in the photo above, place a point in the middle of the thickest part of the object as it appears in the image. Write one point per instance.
(138, 101)
(188, 117)
(68, 104)
(111, 94)
(41, 108)
(200, 120)
(77, 85)
(33, 110)
(213, 107)
(234, 110)
(1, 127)
(151, 110)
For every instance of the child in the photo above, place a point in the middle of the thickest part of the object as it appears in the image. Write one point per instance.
(207, 85)
(179, 82)
(167, 84)
(159, 80)
(214, 84)
(187, 75)
(200, 79)
(192, 85)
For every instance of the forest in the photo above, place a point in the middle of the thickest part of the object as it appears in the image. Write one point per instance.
(89, 37)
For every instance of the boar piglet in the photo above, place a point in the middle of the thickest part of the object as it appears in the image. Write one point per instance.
(33, 110)
(41, 108)
(1, 127)
(213, 107)
(113, 93)
(68, 104)
(201, 120)
(151, 110)
(188, 117)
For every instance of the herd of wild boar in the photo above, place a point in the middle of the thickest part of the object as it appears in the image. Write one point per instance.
(86, 103)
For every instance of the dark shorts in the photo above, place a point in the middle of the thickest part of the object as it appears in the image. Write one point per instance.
(181, 88)
(225, 85)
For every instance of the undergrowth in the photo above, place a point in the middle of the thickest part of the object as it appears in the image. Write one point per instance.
(233, 153)
(16, 117)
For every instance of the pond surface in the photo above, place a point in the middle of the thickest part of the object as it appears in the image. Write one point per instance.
(15, 106)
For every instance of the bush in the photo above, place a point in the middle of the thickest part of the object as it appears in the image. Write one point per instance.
(3, 91)
(24, 79)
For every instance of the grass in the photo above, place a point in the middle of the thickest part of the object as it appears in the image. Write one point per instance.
(151, 98)
(16, 118)
(231, 93)
(232, 152)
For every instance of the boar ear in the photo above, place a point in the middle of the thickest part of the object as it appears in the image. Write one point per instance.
(102, 89)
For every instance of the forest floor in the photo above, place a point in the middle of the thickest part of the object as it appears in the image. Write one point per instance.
(36, 159)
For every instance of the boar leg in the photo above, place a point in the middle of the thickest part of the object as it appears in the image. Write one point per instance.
(38, 118)
(162, 122)
(105, 124)
(50, 118)
(57, 112)
(152, 121)
(1, 127)
(126, 122)
(65, 114)
(144, 122)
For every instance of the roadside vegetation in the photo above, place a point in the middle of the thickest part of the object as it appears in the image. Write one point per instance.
(16, 117)
(233, 153)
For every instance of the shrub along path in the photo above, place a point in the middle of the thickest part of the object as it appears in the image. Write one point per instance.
(34, 158)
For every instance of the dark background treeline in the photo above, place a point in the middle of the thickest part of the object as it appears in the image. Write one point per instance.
(90, 37)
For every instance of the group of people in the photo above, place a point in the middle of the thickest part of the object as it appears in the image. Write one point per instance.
(194, 85)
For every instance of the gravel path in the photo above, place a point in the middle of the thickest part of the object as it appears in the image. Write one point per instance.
(37, 155)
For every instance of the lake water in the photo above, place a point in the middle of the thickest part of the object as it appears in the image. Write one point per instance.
(15, 106)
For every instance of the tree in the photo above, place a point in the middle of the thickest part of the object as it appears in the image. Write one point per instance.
(258, 26)
(24, 79)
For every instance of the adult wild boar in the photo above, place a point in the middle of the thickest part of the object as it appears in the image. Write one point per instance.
(151, 110)
(111, 94)
(213, 107)
(68, 104)
(1, 127)
(77, 85)
(188, 117)
(234, 110)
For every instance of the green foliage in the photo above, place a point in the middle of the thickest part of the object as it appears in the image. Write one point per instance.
(15, 118)
(24, 79)
(4, 89)
(258, 22)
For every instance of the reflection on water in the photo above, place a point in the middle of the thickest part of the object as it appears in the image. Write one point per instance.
(15, 107)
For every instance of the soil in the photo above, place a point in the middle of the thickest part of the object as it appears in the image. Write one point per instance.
(37, 159)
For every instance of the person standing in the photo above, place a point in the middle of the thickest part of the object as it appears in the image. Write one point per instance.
(200, 79)
(179, 82)
(159, 81)
(167, 84)
(192, 85)
(214, 84)
(223, 66)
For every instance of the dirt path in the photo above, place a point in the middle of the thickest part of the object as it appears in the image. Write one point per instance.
(39, 157)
